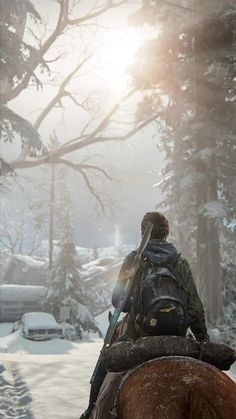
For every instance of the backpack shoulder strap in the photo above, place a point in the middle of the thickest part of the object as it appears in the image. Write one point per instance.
(174, 261)
(172, 267)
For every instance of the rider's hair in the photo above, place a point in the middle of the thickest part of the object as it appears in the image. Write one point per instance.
(160, 228)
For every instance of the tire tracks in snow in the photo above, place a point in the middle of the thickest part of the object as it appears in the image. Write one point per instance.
(15, 400)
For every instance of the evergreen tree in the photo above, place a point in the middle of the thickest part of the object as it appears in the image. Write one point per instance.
(16, 56)
(190, 69)
(65, 282)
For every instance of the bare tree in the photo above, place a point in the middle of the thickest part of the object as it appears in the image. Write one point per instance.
(66, 19)
(99, 126)
(16, 236)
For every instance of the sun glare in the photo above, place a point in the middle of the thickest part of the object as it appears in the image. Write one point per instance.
(118, 53)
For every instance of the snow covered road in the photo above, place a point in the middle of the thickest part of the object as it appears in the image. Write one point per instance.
(40, 384)
(15, 401)
(58, 384)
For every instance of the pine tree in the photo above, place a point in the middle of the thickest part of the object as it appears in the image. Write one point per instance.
(190, 68)
(16, 56)
(65, 282)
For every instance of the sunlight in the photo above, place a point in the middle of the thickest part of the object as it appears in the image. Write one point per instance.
(118, 53)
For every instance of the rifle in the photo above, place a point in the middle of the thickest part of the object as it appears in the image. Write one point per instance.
(124, 295)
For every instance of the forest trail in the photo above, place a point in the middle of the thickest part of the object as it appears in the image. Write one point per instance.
(16, 401)
(52, 386)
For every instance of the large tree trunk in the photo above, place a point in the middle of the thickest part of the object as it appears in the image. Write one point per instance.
(207, 237)
(208, 253)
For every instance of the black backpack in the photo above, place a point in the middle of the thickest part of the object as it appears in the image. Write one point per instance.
(160, 300)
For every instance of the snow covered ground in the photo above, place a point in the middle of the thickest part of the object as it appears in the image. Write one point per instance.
(47, 380)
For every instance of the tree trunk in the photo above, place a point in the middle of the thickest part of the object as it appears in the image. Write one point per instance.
(51, 220)
(207, 237)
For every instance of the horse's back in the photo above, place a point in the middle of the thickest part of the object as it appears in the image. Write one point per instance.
(176, 388)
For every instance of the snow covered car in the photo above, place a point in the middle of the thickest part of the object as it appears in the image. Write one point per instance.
(40, 326)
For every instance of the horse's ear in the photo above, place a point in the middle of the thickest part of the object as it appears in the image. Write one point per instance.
(109, 316)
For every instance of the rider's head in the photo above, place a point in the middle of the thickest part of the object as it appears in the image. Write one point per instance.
(160, 228)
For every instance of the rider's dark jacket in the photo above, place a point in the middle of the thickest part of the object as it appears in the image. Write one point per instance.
(163, 252)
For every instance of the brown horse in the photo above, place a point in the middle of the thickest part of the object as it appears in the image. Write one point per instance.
(176, 388)
(168, 388)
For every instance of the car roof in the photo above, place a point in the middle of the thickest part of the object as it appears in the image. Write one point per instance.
(38, 319)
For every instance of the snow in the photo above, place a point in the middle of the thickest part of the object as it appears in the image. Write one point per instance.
(209, 70)
(105, 252)
(54, 375)
(99, 266)
(232, 225)
(21, 293)
(102, 321)
(205, 154)
(230, 99)
(39, 320)
(31, 262)
(213, 209)
(15, 343)
(68, 283)
(83, 314)
(92, 269)
(6, 329)
(99, 262)
(189, 180)
(86, 254)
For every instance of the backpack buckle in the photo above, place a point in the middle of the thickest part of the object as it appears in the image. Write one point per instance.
(167, 309)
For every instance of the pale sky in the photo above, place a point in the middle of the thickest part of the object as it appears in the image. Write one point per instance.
(134, 165)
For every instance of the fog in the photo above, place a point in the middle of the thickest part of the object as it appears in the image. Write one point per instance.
(90, 105)
(133, 166)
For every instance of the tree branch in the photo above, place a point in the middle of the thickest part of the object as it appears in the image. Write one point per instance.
(188, 9)
(62, 22)
(82, 166)
(77, 143)
(60, 94)
(95, 14)
(91, 139)
(93, 191)
(34, 60)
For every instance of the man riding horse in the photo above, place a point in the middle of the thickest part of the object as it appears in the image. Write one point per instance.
(164, 300)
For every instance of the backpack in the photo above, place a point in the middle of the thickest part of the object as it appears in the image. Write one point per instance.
(160, 300)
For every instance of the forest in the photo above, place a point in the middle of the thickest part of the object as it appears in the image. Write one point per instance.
(80, 81)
